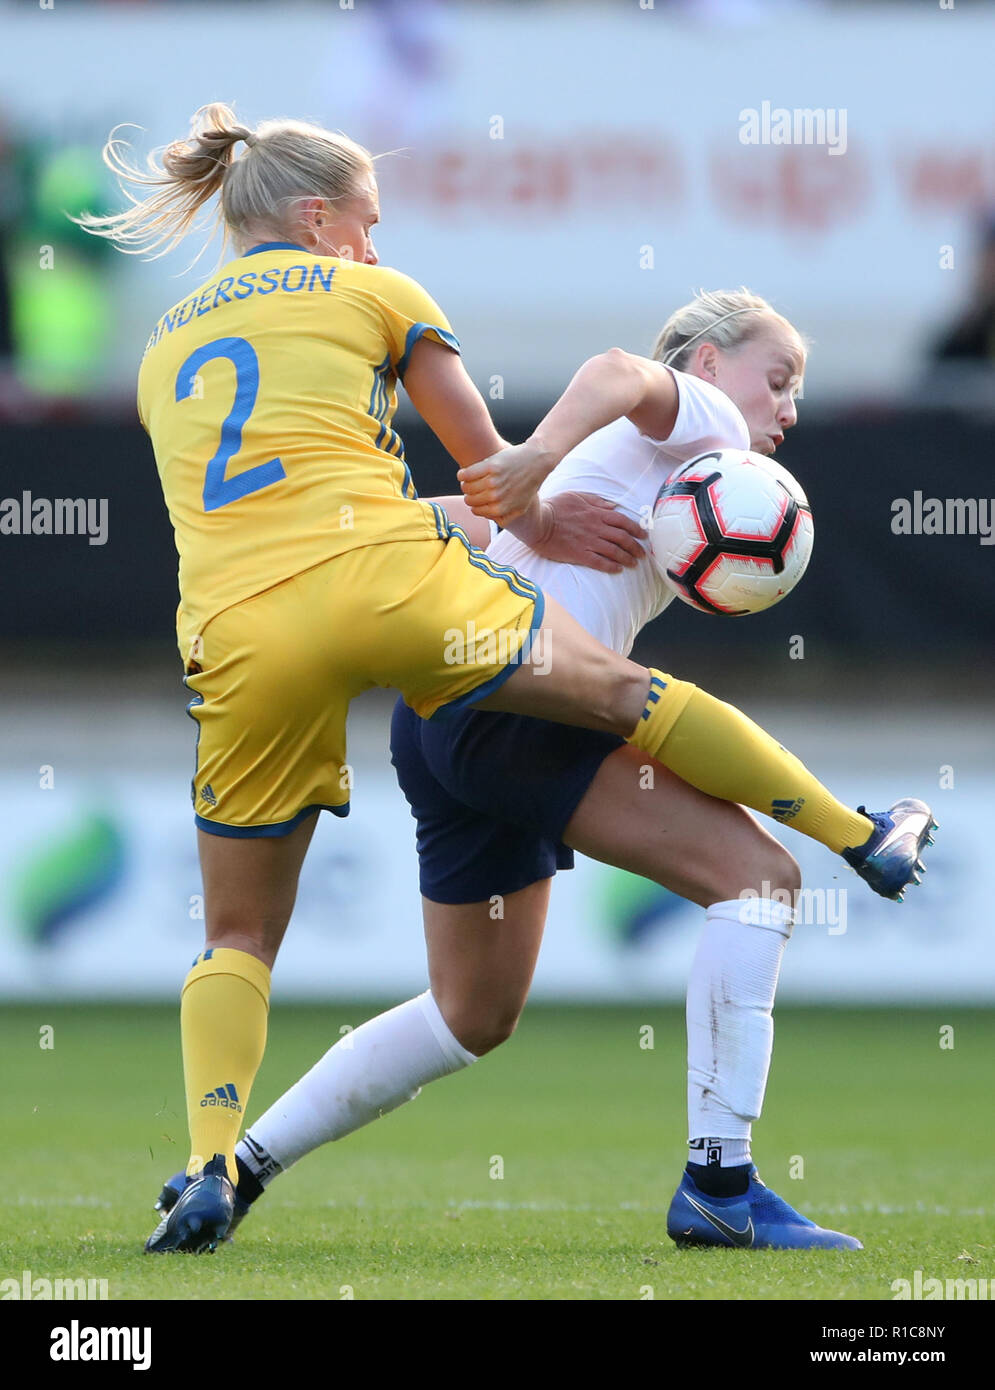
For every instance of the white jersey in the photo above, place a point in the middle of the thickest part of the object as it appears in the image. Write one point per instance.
(628, 468)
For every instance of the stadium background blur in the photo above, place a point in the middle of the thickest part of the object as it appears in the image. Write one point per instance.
(566, 175)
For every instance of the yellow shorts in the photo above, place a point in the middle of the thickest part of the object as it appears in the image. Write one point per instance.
(273, 676)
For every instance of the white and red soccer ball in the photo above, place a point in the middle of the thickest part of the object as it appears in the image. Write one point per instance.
(731, 532)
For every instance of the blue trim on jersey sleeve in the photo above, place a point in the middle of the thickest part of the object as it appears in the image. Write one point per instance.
(418, 330)
(481, 692)
(277, 246)
(255, 832)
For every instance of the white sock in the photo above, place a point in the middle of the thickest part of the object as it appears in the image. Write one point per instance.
(370, 1071)
(727, 1153)
(730, 1025)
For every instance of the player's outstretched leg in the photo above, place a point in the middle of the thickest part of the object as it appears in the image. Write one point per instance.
(716, 747)
(710, 745)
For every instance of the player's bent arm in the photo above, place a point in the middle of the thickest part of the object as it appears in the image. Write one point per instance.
(452, 407)
(613, 384)
(447, 400)
(454, 410)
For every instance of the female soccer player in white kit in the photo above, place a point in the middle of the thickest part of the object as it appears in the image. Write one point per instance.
(499, 798)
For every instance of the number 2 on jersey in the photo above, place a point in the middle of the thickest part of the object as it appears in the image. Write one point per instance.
(219, 490)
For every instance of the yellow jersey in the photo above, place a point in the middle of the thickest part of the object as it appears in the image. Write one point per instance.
(268, 396)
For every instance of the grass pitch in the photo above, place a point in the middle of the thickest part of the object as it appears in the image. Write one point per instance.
(543, 1172)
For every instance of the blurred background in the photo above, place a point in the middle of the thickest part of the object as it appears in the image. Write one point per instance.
(560, 177)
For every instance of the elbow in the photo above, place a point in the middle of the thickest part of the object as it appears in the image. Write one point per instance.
(618, 365)
(622, 369)
(616, 358)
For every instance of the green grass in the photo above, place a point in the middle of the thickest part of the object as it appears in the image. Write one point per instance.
(895, 1134)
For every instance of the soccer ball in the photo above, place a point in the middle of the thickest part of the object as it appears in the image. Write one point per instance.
(731, 532)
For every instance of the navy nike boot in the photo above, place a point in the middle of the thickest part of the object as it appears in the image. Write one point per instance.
(200, 1216)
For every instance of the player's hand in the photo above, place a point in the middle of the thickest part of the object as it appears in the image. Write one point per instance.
(581, 528)
(502, 487)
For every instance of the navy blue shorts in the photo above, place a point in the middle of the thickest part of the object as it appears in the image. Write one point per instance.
(491, 795)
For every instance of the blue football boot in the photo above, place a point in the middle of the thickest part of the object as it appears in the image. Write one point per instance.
(758, 1220)
(890, 860)
(174, 1188)
(199, 1216)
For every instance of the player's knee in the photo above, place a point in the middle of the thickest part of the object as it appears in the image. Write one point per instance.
(771, 869)
(768, 871)
(257, 938)
(482, 1030)
(781, 870)
(487, 1039)
(616, 695)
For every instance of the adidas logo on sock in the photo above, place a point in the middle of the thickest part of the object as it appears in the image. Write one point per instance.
(784, 810)
(225, 1096)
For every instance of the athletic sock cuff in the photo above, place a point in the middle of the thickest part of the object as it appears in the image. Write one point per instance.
(223, 960)
(665, 703)
(756, 912)
(453, 1050)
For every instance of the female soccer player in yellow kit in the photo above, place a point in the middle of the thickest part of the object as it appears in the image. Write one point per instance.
(310, 570)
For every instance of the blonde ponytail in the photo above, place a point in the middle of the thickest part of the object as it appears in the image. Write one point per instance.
(284, 162)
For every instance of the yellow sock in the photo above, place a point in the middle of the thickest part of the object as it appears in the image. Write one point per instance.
(717, 749)
(223, 1014)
